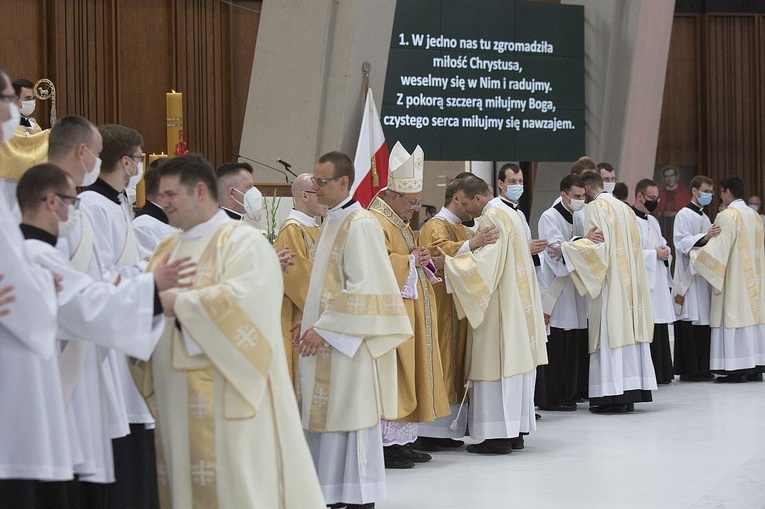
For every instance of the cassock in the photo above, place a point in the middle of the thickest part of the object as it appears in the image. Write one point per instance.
(422, 392)
(150, 227)
(299, 233)
(87, 328)
(734, 265)
(495, 287)
(447, 232)
(33, 426)
(612, 275)
(660, 282)
(229, 428)
(692, 296)
(355, 304)
(567, 311)
(116, 248)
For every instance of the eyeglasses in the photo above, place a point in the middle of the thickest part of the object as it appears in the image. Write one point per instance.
(416, 205)
(323, 182)
(311, 192)
(72, 200)
(9, 98)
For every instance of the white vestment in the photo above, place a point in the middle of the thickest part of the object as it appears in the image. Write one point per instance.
(657, 271)
(350, 384)
(87, 320)
(734, 264)
(33, 427)
(117, 251)
(620, 325)
(149, 232)
(495, 287)
(691, 224)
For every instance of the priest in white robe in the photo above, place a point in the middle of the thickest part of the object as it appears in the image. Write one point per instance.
(495, 287)
(613, 276)
(85, 318)
(658, 258)
(565, 310)
(692, 294)
(353, 320)
(229, 431)
(31, 404)
(734, 265)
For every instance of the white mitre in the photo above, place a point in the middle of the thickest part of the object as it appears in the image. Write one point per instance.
(405, 170)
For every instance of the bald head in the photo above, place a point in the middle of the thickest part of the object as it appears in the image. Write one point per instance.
(305, 197)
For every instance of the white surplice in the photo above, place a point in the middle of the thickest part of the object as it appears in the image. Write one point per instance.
(33, 427)
(657, 271)
(149, 232)
(690, 226)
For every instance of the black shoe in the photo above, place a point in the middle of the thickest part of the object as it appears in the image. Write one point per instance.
(579, 400)
(563, 406)
(755, 377)
(731, 379)
(491, 446)
(537, 416)
(630, 407)
(370, 505)
(609, 409)
(339, 505)
(516, 443)
(436, 444)
(407, 452)
(394, 458)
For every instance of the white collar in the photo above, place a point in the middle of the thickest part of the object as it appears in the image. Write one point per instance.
(338, 213)
(738, 204)
(449, 216)
(302, 218)
(198, 231)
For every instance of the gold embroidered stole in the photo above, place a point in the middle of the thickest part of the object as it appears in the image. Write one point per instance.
(751, 268)
(623, 265)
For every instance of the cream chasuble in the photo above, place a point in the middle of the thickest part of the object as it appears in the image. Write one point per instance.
(352, 292)
(734, 265)
(229, 429)
(617, 263)
(300, 235)
(422, 394)
(495, 287)
(452, 332)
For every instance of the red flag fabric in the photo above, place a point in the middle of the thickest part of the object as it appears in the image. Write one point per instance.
(371, 160)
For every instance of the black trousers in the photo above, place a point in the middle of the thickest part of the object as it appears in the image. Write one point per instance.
(661, 355)
(562, 376)
(692, 344)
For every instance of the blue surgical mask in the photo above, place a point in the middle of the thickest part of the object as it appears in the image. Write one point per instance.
(514, 192)
(705, 199)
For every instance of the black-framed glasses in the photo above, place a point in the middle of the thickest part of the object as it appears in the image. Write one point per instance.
(323, 182)
(68, 200)
(9, 98)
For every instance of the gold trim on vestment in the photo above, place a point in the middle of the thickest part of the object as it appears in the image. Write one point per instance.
(333, 299)
(308, 239)
(744, 254)
(378, 205)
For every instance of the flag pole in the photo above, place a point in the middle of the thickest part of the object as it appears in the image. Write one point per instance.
(366, 67)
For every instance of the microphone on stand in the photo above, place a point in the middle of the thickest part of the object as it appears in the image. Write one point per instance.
(286, 177)
(286, 165)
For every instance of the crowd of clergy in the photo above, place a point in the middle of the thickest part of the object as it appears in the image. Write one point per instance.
(172, 357)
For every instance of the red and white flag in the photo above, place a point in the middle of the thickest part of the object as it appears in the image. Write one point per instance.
(371, 161)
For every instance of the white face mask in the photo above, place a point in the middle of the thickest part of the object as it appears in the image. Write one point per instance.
(10, 125)
(135, 179)
(253, 200)
(609, 186)
(514, 192)
(28, 107)
(576, 205)
(131, 195)
(754, 207)
(65, 228)
(92, 175)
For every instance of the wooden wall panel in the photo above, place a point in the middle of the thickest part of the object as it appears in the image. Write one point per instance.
(713, 113)
(733, 97)
(112, 61)
(680, 117)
